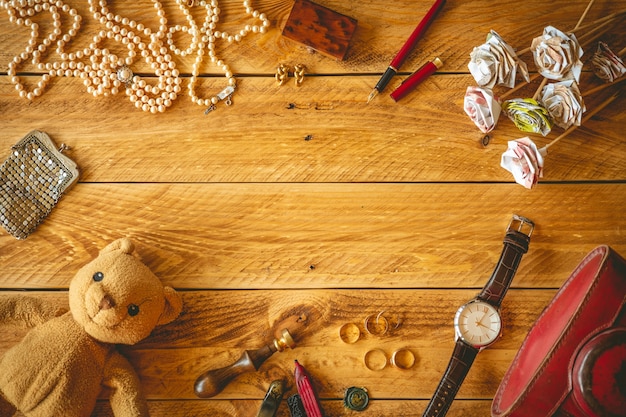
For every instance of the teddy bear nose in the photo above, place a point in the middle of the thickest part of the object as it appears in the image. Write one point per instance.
(107, 302)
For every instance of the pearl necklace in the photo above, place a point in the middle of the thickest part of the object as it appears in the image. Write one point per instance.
(104, 73)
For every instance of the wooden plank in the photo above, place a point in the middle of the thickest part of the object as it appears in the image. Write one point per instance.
(382, 30)
(322, 132)
(425, 138)
(249, 408)
(306, 202)
(216, 326)
(319, 235)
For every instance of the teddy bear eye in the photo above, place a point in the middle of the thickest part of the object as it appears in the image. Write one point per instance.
(98, 276)
(133, 310)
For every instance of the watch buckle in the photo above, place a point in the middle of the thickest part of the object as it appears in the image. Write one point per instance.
(522, 225)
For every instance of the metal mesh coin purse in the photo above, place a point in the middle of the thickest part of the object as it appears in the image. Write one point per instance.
(32, 180)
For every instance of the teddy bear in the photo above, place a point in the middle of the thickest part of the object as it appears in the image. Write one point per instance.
(60, 367)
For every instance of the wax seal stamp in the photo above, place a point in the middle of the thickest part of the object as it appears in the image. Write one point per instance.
(356, 399)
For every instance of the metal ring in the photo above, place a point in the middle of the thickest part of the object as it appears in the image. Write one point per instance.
(403, 359)
(349, 333)
(378, 327)
(375, 360)
(394, 321)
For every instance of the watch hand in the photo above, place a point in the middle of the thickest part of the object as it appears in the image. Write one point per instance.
(481, 320)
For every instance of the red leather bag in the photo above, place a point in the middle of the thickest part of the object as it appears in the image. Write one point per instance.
(573, 360)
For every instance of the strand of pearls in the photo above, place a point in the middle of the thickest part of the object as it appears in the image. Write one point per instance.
(203, 43)
(104, 73)
(152, 98)
(20, 13)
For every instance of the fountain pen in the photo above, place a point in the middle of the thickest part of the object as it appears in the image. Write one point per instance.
(406, 49)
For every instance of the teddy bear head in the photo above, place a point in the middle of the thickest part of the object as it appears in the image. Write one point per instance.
(117, 299)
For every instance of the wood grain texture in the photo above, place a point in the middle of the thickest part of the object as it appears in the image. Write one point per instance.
(216, 326)
(381, 31)
(376, 408)
(427, 138)
(230, 408)
(320, 235)
(307, 202)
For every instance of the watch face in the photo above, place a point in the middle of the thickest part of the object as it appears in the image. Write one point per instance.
(477, 323)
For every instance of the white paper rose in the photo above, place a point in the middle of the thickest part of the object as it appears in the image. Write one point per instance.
(495, 63)
(557, 55)
(524, 161)
(564, 103)
(482, 108)
(606, 65)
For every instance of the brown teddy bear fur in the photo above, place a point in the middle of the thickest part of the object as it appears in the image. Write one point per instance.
(64, 361)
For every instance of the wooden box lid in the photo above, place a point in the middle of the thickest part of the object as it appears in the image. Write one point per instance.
(320, 28)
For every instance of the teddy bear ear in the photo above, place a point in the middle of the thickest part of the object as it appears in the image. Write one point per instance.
(124, 244)
(173, 306)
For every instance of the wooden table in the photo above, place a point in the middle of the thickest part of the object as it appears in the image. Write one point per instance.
(308, 202)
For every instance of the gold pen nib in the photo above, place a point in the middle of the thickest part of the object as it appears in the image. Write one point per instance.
(373, 94)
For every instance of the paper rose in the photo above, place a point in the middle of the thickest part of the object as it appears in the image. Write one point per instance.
(481, 106)
(564, 103)
(524, 161)
(606, 65)
(557, 55)
(495, 63)
(528, 115)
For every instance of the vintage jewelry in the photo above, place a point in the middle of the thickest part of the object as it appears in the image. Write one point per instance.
(350, 333)
(298, 73)
(403, 359)
(32, 180)
(377, 327)
(282, 73)
(103, 72)
(375, 360)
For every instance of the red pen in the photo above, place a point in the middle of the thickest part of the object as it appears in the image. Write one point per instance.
(406, 49)
(414, 79)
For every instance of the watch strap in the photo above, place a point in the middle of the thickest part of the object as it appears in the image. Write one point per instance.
(515, 243)
(462, 358)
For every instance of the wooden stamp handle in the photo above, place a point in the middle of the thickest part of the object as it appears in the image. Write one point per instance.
(212, 382)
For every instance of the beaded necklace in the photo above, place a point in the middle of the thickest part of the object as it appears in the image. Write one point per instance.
(104, 73)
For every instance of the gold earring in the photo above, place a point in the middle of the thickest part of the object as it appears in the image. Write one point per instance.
(282, 72)
(298, 73)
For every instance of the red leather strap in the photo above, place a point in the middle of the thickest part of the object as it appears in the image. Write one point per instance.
(590, 302)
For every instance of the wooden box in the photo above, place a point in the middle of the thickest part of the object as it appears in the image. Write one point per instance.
(320, 28)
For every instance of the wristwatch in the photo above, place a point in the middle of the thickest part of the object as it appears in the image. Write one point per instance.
(477, 323)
